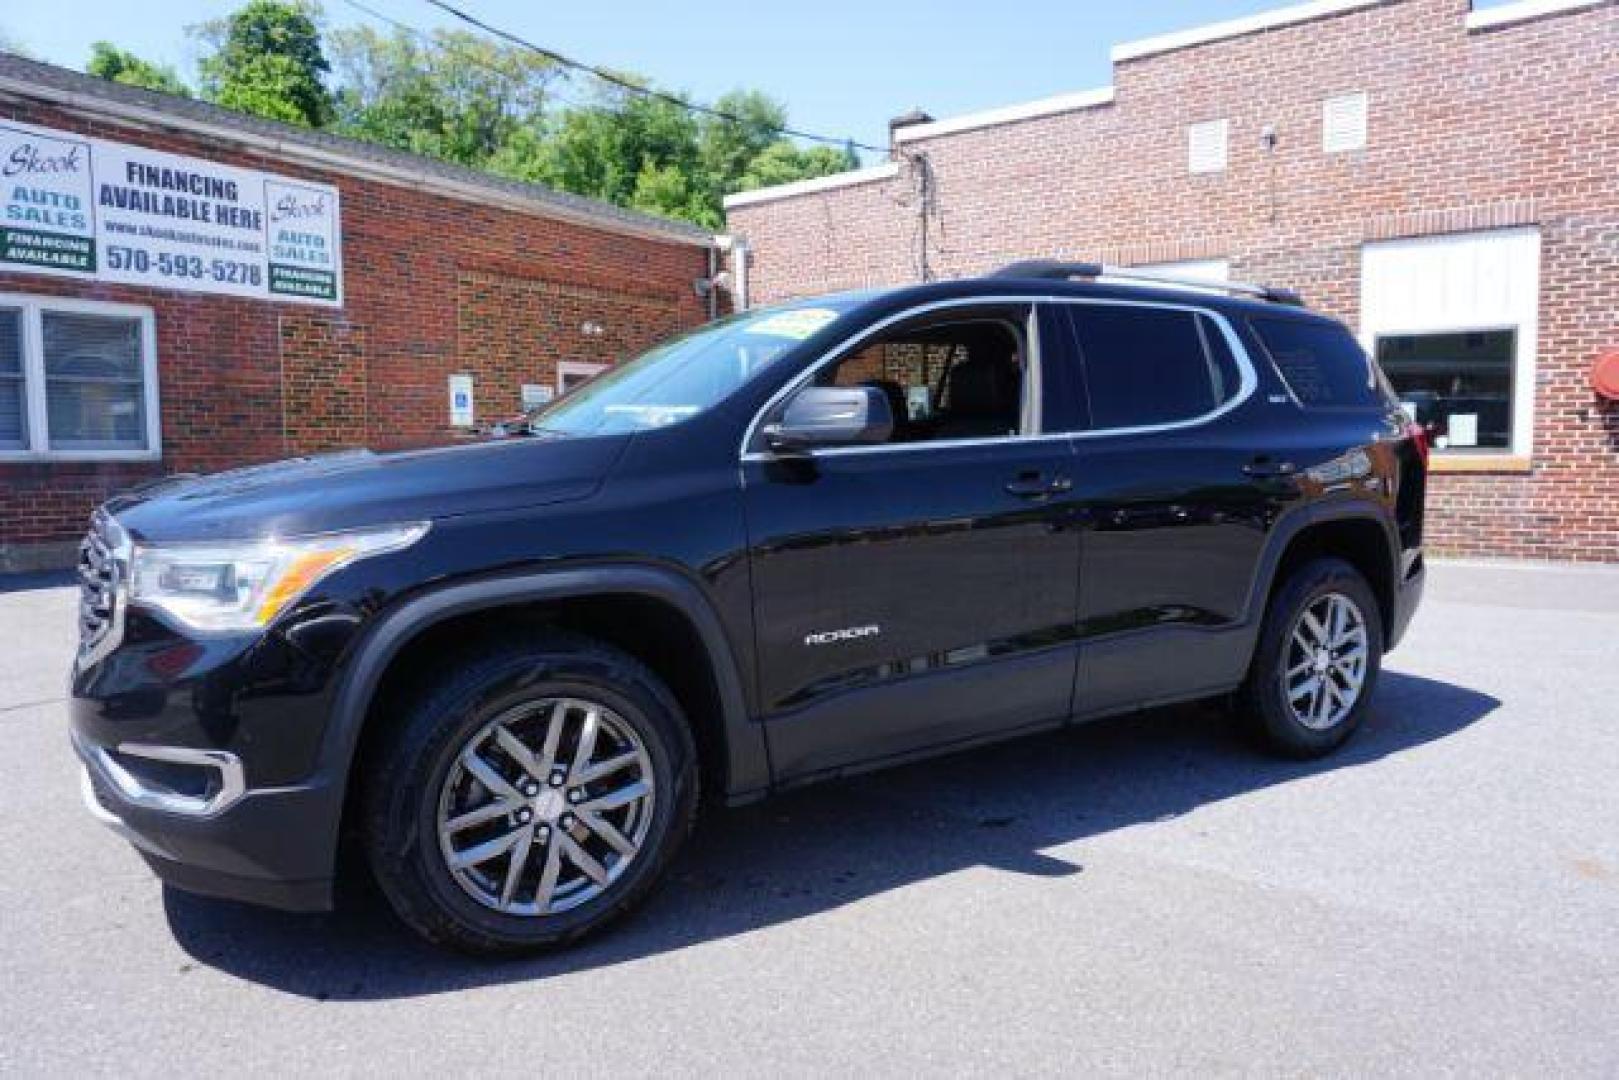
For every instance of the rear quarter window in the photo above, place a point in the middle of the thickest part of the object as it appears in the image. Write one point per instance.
(1321, 362)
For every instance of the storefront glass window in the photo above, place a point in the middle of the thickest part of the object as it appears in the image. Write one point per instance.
(1458, 385)
(93, 385)
(13, 414)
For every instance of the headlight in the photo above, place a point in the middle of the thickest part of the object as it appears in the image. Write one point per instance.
(243, 585)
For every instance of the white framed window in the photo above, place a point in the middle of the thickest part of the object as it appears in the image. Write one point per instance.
(1206, 146)
(1343, 123)
(1453, 321)
(572, 373)
(78, 380)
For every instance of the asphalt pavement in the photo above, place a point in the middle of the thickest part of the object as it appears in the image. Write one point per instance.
(1144, 895)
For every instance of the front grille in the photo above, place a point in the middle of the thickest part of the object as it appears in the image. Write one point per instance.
(98, 584)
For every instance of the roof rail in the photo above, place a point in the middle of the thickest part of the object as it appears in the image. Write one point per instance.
(1053, 269)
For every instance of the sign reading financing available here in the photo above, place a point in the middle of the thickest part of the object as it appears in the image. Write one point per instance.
(90, 208)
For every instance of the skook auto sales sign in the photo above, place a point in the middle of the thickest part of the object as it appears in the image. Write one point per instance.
(90, 208)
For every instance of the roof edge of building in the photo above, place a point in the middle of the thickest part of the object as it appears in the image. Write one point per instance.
(332, 152)
(1523, 11)
(1231, 28)
(1073, 101)
(872, 173)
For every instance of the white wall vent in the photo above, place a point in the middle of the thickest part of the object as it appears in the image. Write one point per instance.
(1206, 146)
(1343, 123)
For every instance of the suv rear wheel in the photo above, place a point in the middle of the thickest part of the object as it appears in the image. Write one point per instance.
(534, 792)
(1317, 661)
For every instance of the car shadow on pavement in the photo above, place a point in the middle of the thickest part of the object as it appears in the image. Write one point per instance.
(32, 580)
(823, 847)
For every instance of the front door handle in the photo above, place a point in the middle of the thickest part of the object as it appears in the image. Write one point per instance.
(1035, 485)
(1263, 467)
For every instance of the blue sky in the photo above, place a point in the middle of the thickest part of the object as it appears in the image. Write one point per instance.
(841, 66)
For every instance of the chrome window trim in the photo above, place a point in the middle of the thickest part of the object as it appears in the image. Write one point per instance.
(1245, 365)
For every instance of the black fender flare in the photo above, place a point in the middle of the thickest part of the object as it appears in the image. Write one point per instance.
(1288, 528)
(747, 767)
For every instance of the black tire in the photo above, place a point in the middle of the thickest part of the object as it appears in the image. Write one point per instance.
(407, 773)
(1263, 702)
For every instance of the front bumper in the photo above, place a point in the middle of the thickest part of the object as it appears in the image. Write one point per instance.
(205, 751)
(257, 849)
(1407, 598)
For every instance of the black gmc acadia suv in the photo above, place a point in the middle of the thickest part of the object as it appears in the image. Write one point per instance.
(795, 543)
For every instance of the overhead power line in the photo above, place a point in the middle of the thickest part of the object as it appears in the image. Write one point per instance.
(427, 39)
(632, 87)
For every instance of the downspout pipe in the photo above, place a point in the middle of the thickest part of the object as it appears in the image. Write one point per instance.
(713, 286)
(739, 273)
(738, 249)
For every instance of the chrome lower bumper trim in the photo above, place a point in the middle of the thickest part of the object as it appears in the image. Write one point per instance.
(226, 766)
(87, 791)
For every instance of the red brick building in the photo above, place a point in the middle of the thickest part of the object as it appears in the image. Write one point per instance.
(1444, 179)
(150, 321)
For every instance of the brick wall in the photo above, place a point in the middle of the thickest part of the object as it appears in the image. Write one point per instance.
(1467, 130)
(434, 286)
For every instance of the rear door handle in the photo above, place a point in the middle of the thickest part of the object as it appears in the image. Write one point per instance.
(1262, 467)
(1034, 485)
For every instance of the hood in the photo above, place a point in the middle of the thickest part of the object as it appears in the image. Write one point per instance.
(357, 488)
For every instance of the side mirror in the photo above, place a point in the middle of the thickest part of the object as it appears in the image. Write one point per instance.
(832, 416)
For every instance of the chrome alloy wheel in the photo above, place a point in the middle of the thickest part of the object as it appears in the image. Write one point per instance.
(1325, 667)
(546, 806)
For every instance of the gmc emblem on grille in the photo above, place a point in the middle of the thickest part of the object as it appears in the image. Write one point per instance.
(849, 633)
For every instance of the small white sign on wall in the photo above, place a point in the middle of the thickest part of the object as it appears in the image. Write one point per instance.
(460, 400)
(1463, 429)
(536, 394)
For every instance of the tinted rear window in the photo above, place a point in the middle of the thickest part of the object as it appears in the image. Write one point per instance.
(1152, 365)
(1321, 362)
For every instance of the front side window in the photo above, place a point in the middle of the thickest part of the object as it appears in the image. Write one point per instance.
(685, 375)
(1148, 366)
(957, 377)
(1456, 385)
(77, 379)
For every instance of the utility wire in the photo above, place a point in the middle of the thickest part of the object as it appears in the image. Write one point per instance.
(635, 88)
(471, 58)
(927, 191)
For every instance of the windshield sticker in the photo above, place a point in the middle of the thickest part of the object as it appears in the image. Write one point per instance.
(797, 324)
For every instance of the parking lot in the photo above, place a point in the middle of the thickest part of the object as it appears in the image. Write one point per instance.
(1140, 895)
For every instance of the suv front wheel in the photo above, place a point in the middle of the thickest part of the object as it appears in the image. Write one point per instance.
(1317, 661)
(533, 792)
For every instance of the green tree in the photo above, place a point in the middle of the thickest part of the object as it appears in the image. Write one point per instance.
(605, 150)
(467, 98)
(784, 161)
(108, 61)
(458, 96)
(728, 147)
(266, 58)
(655, 155)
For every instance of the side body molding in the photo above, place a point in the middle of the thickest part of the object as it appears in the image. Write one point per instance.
(747, 767)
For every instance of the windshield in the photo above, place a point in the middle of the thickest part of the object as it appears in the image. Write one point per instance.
(681, 377)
